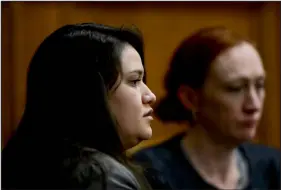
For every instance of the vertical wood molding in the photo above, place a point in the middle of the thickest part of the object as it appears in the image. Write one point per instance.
(26, 24)
(7, 74)
(269, 45)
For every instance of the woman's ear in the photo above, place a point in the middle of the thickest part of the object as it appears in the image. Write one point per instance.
(188, 97)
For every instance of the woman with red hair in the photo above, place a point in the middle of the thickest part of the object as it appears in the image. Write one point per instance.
(216, 84)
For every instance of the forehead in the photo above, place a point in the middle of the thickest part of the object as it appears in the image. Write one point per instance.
(241, 61)
(130, 59)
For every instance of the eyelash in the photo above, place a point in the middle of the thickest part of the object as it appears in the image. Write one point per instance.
(234, 89)
(239, 88)
(260, 86)
(135, 82)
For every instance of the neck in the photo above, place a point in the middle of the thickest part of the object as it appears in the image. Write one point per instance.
(213, 160)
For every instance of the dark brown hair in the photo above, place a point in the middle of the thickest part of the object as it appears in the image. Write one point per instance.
(68, 83)
(189, 65)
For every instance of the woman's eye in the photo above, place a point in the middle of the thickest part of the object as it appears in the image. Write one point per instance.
(135, 82)
(260, 86)
(234, 88)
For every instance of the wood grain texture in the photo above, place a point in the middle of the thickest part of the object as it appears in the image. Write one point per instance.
(164, 25)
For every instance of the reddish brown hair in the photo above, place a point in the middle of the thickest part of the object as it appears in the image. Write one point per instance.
(190, 64)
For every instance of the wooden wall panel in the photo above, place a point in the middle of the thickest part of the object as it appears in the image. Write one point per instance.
(163, 24)
(6, 74)
(269, 45)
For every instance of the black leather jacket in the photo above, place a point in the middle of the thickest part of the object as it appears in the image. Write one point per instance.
(104, 172)
(79, 169)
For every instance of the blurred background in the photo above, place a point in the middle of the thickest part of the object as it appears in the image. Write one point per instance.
(164, 25)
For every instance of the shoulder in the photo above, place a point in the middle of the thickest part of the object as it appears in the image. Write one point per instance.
(157, 159)
(160, 152)
(264, 163)
(259, 152)
(262, 158)
(96, 170)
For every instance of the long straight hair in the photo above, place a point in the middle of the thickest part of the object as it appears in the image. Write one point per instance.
(68, 82)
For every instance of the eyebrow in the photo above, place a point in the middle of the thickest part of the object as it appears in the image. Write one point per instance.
(140, 72)
(259, 78)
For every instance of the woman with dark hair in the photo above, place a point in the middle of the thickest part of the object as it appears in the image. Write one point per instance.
(215, 84)
(86, 104)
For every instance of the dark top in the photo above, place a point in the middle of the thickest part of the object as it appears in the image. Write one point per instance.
(174, 171)
(74, 168)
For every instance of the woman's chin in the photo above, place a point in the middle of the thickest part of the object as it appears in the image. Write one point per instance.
(245, 137)
(147, 133)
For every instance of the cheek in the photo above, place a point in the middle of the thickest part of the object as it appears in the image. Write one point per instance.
(262, 97)
(231, 107)
(126, 105)
(220, 109)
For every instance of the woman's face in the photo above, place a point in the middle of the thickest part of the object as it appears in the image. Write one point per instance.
(233, 95)
(131, 101)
